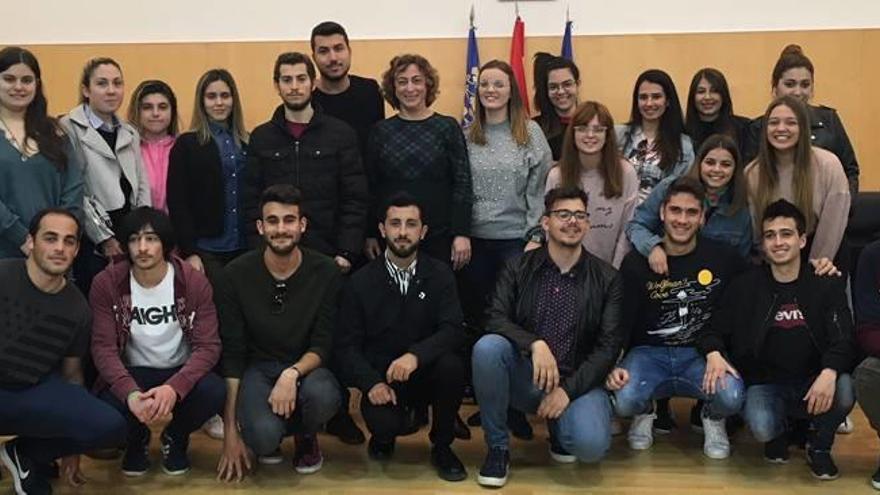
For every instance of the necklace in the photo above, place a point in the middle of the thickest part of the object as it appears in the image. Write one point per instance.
(19, 146)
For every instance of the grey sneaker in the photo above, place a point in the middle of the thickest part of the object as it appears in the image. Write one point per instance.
(641, 431)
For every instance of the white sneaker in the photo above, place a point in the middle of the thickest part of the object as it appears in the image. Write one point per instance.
(276, 457)
(641, 431)
(716, 445)
(214, 427)
(847, 426)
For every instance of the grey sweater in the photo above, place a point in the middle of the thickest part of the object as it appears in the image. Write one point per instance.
(508, 181)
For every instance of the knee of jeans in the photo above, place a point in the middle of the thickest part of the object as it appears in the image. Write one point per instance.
(490, 351)
(628, 403)
(729, 399)
(589, 445)
(263, 436)
(763, 425)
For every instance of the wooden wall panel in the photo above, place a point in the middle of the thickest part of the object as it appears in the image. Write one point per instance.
(609, 65)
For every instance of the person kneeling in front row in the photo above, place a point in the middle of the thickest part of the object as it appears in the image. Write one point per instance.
(554, 320)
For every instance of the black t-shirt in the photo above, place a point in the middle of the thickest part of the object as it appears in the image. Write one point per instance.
(37, 330)
(788, 351)
(671, 310)
(359, 106)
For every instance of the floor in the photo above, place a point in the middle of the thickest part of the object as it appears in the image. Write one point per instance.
(675, 465)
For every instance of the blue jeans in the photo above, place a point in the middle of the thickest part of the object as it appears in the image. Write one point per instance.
(317, 400)
(55, 418)
(657, 372)
(503, 377)
(768, 406)
(204, 400)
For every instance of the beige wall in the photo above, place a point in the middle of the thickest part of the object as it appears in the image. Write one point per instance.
(609, 65)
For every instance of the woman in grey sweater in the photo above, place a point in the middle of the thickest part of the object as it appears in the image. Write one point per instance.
(509, 158)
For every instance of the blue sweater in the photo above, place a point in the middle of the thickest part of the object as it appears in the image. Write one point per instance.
(645, 230)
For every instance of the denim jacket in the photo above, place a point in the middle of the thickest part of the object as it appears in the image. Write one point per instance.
(645, 230)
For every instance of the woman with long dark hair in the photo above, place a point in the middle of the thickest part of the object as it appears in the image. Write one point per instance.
(710, 110)
(557, 81)
(654, 139)
(37, 170)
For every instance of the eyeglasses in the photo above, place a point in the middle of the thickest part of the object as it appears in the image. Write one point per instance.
(567, 215)
(279, 297)
(564, 85)
(595, 130)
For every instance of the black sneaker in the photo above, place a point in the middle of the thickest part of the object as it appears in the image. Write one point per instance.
(519, 425)
(559, 454)
(776, 450)
(343, 427)
(664, 423)
(136, 460)
(875, 479)
(380, 451)
(174, 459)
(26, 477)
(448, 465)
(495, 468)
(822, 465)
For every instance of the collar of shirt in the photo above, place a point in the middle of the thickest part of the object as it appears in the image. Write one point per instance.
(219, 130)
(96, 121)
(394, 269)
(549, 265)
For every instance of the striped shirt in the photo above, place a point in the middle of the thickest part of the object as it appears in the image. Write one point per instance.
(401, 276)
(37, 329)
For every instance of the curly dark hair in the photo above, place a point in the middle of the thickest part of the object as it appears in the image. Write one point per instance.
(399, 64)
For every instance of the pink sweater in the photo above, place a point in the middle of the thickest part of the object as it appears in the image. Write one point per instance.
(155, 154)
(831, 200)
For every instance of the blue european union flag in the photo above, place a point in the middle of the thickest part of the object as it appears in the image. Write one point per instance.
(470, 79)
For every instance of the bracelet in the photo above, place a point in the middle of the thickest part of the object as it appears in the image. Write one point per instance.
(298, 372)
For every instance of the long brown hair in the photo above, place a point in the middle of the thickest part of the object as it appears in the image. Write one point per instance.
(609, 167)
(767, 164)
(792, 57)
(200, 118)
(737, 185)
(516, 113)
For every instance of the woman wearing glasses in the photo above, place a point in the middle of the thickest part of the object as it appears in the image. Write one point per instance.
(557, 81)
(591, 161)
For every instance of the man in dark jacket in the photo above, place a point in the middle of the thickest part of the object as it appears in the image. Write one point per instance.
(155, 342)
(317, 153)
(790, 337)
(554, 321)
(866, 296)
(400, 326)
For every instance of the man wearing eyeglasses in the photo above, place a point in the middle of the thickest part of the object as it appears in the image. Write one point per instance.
(553, 323)
(665, 315)
(155, 342)
(277, 313)
(400, 326)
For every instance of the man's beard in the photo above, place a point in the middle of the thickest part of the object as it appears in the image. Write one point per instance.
(298, 107)
(282, 251)
(403, 252)
(329, 77)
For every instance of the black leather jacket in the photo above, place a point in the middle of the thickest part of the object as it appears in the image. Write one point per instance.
(826, 131)
(600, 299)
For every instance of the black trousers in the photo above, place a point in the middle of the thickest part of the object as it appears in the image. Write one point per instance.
(440, 384)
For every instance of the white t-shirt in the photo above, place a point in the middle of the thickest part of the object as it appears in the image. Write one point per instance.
(156, 338)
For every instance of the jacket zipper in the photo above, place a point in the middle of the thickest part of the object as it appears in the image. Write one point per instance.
(296, 164)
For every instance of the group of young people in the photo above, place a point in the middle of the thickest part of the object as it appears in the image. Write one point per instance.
(563, 266)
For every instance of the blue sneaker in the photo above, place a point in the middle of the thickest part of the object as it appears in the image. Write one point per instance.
(136, 461)
(495, 468)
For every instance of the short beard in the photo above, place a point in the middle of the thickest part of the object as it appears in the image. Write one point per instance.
(403, 252)
(282, 251)
(298, 107)
(333, 78)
